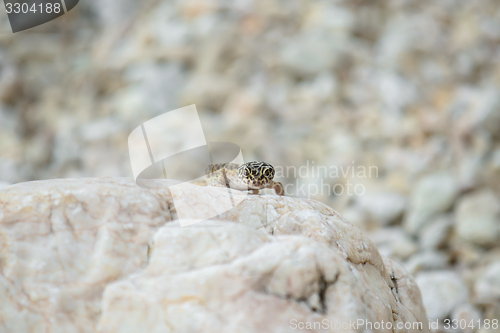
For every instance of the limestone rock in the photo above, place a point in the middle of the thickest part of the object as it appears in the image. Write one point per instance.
(103, 254)
(276, 281)
(63, 241)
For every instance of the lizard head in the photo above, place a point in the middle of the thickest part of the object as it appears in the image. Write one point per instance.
(256, 174)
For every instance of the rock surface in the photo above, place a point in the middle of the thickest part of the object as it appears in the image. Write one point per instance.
(80, 255)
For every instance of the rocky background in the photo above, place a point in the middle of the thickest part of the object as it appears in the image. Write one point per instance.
(407, 86)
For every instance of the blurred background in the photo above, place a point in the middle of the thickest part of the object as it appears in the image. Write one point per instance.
(410, 87)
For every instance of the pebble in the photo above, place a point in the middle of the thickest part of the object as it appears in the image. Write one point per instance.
(436, 233)
(442, 292)
(477, 218)
(432, 195)
(487, 287)
(426, 261)
(382, 207)
(467, 316)
(307, 54)
(394, 243)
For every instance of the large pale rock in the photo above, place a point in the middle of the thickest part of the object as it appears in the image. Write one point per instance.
(63, 241)
(86, 255)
